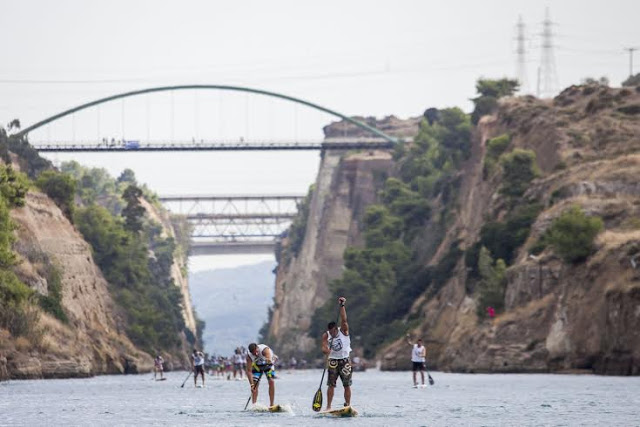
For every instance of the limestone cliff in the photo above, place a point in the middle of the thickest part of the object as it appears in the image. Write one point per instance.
(178, 269)
(345, 186)
(93, 341)
(557, 316)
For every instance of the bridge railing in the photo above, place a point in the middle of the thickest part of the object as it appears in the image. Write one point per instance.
(88, 146)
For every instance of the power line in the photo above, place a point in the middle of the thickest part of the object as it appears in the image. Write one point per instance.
(631, 50)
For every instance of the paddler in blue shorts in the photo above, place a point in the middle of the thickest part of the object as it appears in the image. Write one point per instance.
(260, 361)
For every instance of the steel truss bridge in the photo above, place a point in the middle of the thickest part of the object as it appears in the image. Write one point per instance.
(229, 229)
(235, 223)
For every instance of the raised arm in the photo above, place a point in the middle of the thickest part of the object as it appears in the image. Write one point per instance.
(344, 326)
(409, 340)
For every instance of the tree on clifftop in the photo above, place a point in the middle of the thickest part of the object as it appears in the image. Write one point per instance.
(134, 211)
(632, 81)
(490, 91)
(127, 175)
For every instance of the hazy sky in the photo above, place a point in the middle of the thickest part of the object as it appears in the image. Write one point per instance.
(358, 57)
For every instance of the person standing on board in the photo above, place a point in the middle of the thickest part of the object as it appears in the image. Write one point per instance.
(158, 367)
(197, 363)
(237, 364)
(260, 361)
(418, 359)
(336, 344)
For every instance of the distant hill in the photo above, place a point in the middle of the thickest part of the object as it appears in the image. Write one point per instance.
(233, 302)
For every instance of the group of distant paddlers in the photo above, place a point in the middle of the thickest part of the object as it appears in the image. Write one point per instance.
(259, 360)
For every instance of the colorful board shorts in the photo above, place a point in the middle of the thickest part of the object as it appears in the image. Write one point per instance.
(339, 368)
(266, 370)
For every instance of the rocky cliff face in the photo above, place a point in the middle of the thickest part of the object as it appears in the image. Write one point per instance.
(558, 316)
(179, 264)
(345, 186)
(93, 341)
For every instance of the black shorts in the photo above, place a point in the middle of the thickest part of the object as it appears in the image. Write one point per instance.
(418, 366)
(339, 368)
(198, 370)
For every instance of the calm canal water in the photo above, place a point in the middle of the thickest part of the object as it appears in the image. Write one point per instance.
(383, 399)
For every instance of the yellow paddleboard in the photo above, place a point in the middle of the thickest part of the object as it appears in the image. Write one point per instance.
(347, 411)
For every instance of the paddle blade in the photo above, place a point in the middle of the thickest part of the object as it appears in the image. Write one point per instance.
(317, 401)
(431, 381)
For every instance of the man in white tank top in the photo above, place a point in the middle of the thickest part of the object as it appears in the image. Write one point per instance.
(260, 361)
(336, 344)
(418, 358)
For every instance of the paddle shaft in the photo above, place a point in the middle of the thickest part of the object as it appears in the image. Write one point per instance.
(330, 343)
(185, 380)
(325, 365)
(431, 381)
(256, 386)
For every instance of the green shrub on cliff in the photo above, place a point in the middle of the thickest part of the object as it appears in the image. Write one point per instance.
(492, 283)
(61, 188)
(13, 186)
(30, 160)
(406, 204)
(632, 81)
(140, 284)
(16, 312)
(519, 169)
(383, 279)
(437, 151)
(52, 302)
(490, 91)
(13, 189)
(572, 235)
(495, 148)
(503, 238)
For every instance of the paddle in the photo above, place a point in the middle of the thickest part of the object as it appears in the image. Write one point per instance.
(431, 381)
(255, 386)
(185, 380)
(317, 398)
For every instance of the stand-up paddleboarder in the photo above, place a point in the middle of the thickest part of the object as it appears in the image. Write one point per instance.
(260, 361)
(336, 344)
(197, 363)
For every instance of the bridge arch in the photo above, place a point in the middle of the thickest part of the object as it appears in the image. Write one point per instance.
(55, 117)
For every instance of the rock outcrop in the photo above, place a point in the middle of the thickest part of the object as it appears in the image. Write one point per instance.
(558, 316)
(177, 269)
(93, 341)
(345, 186)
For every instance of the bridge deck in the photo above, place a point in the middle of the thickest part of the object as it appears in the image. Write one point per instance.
(238, 146)
(232, 248)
